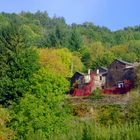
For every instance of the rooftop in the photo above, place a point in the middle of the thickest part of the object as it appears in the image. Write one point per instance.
(124, 62)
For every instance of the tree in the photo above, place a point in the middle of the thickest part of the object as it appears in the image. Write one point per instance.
(5, 132)
(17, 62)
(100, 56)
(134, 46)
(42, 108)
(75, 41)
(60, 61)
(86, 57)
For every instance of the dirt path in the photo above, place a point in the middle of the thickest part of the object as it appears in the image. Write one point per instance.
(103, 99)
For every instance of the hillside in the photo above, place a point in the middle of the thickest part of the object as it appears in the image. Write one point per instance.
(94, 45)
(87, 106)
(38, 56)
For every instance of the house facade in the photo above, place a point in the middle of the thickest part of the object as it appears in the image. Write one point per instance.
(76, 78)
(100, 78)
(82, 84)
(119, 77)
(119, 71)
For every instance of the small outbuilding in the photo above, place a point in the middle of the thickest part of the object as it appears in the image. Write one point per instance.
(82, 84)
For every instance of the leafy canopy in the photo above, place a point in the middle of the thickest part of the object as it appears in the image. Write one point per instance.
(17, 62)
(42, 109)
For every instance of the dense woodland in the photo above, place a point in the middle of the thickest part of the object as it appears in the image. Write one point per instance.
(38, 55)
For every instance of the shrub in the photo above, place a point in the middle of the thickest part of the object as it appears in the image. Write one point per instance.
(133, 109)
(5, 132)
(42, 109)
(96, 92)
(110, 114)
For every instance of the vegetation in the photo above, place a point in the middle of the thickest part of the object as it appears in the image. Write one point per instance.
(88, 130)
(38, 55)
(42, 108)
(60, 61)
(17, 61)
(5, 132)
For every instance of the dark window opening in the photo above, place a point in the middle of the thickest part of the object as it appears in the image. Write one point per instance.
(100, 78)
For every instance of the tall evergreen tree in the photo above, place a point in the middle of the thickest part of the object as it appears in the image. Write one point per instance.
(17, 63)
(75, 39)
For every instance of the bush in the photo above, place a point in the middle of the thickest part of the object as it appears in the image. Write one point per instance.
(5, 132)
(96, 92)
(133, 109)
(110, 114)
(80, 110)
(42, 110)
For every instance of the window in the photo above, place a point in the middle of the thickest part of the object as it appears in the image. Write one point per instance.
(120, 85)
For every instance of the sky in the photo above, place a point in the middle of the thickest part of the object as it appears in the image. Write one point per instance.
(113, 14)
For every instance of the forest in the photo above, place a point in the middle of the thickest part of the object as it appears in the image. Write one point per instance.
(38, 56)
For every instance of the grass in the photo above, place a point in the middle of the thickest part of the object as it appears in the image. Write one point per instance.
(94, 97)
(112, 122)
(90, 131)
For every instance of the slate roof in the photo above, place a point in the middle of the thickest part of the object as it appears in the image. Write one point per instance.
(104, 68)
(123, 62)
(82, 74)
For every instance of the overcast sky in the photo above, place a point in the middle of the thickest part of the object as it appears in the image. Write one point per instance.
(114, 14)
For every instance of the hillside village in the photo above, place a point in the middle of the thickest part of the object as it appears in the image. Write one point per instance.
(39, 54)
(118, 77)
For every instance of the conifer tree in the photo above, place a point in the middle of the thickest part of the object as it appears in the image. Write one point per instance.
(17, 63)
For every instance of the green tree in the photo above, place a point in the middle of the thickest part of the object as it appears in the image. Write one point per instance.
(134, 46)
(86, 57)
(100, 55)
(17, 62)
(75, 41)
(60, 61)
(42, 108)
(5, 132)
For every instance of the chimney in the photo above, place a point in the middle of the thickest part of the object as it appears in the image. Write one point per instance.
(88, 71)
(97, 71)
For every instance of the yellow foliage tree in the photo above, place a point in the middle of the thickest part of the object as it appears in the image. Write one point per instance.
(5, 133)
(60, 61)
(119, 50)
